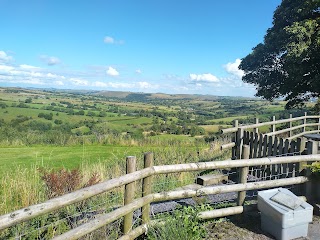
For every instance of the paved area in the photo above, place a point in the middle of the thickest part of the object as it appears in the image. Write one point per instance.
(314, 229)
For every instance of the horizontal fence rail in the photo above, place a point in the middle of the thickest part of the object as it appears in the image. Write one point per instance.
(270, 123)
(293, 129)
(148, 198)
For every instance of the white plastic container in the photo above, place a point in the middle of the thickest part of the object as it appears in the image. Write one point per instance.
(283, 214)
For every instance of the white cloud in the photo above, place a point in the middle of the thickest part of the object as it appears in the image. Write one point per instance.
(5, 57)
(33, 74)
(233, 68)
(51, 61)
(111, 40)
(206, 77)
(25, 66)
(79, 82)
(120, 85)
(50, 75)
(146, 85)
(99, 84)
(108, 39)
(112, 71)
(4, 68)
(59, 83)
(138, 71)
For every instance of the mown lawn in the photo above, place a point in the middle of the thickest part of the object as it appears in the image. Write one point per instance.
(57, 157)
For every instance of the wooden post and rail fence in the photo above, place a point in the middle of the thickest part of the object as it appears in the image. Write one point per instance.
(132, 202)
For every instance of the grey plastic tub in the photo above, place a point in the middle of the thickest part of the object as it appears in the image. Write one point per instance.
(283, 214)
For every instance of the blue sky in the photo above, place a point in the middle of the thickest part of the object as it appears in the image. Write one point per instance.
(140, 46)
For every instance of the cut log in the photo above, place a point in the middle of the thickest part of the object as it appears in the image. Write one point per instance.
(211, 179)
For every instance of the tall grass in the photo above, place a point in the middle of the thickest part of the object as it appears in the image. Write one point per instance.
(23, 187)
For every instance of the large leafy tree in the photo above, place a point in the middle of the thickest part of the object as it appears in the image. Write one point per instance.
(287, 63)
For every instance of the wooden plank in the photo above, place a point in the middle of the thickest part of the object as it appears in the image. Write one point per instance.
(255, 145)
(243, 176)
(304, 122)
(147, 187)
(220, 212)
(239, 143)
(256, 129)
(280, 147)
(200, 166)
(280, 167)
(284, 130)
(260, 145)
(234, 139)
(251, 144)
(129, 193)
(291, 166)
(275, 122)
(166, 196)
(265, 146)
(290, 126)
(285, 166)
(270, 145)
(228, 145)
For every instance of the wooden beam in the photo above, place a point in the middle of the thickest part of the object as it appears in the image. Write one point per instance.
(129, 193)
(220, 212)
(188, 193)
(189, 167)
(228, 145)
(243, 175)
(147, 187)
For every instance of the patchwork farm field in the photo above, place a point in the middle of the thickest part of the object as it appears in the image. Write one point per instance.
(46, 130)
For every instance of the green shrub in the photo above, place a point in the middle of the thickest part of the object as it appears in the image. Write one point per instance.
(182, 224)
(315, 168)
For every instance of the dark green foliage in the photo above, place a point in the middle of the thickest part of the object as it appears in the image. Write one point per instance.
(81, 112)
(57, 121)
(3, 105)
(39, 125)
(48, 116)
(28, 100)
(287, 63)
(22, 105)
(91, 114)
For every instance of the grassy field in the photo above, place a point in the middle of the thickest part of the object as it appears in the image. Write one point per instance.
(62, 157)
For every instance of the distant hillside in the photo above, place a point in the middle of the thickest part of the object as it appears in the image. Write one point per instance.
(145, 96)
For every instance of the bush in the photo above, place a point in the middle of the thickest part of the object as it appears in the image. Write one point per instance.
(62, 181)
(45, 116)
(315, 168)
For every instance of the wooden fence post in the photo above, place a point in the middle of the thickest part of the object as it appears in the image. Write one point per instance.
(304, 122)
(319, 124)
(290, 125)
(243, 173)
(129, 193)
(147, 187)
(273, 126)
(312, 148)
(234, 149)
(239, 142)
(256, 121)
